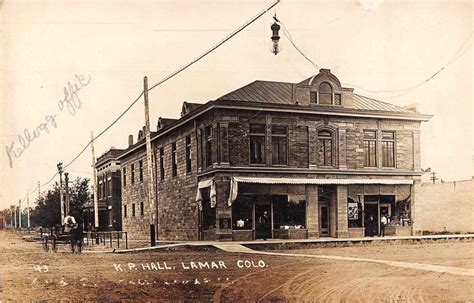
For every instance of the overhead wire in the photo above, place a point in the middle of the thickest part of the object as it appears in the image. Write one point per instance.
(184, 67)
(459, 53)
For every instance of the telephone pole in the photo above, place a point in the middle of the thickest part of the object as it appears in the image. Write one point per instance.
(433, 177)
(96, 199)
(61, 197)
(28, 210)
(151, 181)
(19, 214)
(66, 186)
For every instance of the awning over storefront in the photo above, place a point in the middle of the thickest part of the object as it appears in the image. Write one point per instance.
(300, 181)
(213, 195)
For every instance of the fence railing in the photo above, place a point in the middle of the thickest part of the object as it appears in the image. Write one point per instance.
(106, 237)
(110, 238)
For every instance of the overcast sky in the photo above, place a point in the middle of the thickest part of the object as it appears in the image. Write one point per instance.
(377, 46)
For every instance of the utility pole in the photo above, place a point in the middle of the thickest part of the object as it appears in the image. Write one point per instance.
(433, 177)
(28, 210)
(61, 197)
(66, 185)
(151, 181)
(96, 198)
(19, 214)
(14, 215)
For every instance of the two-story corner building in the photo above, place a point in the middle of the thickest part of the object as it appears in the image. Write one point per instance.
(280, 160)
(109, 192)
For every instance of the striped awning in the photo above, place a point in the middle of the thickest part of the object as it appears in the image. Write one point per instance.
(333, 181)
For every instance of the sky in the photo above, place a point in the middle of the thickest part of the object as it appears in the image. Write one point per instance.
(103, 49)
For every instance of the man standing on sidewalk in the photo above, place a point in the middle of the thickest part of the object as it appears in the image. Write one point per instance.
(383, 222)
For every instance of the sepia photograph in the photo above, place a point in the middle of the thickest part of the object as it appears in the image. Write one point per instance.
(236, 151)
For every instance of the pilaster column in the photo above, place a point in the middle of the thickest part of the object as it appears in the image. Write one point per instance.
(312, 147)
(342, 230)
(342, 149)
(312, 211)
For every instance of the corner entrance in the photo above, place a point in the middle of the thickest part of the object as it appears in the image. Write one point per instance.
(371, 219)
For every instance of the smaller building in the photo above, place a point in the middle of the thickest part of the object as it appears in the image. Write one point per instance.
(2, 220)
(109, 193)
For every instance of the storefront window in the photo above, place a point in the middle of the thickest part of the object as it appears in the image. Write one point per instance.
(354, 213)
(289, 211)
(242, 213)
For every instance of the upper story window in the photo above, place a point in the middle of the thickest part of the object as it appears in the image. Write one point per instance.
(132, 172)
(174, 160)
(142, 209)
(325, 93)
(370, 148)
(188, 154)
(257, 143)
(140, 167)
(162, 163)
(208, 138)
(124, 177)
(388, 149)
(325, 148)
(125, 210)
(279, 145)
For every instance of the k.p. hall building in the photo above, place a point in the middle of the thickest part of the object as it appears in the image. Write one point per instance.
(277, 160)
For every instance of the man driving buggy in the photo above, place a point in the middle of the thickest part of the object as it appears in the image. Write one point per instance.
(69, 223)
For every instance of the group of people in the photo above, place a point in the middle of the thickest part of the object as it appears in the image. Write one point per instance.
(371, 226)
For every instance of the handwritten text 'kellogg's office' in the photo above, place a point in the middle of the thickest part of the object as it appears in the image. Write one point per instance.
(70, 101)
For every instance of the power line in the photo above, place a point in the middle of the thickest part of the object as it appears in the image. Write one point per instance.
(217, 45)
(459, 53)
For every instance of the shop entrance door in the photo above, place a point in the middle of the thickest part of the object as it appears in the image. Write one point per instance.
(263, 221)
(371, 219)
(324, 220)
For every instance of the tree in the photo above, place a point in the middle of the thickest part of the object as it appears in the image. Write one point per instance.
(47, 212)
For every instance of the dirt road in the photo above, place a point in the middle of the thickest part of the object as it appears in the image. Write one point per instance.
(27, 273)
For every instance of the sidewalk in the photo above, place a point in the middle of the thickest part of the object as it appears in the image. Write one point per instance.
(284, 243)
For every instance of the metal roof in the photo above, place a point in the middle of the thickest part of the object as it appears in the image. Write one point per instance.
(282, 93)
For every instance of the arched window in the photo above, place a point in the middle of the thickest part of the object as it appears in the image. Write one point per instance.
(325, 93)
(325, 148)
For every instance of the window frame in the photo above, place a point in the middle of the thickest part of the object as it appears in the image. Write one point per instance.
(367, 154)
(260, 135)
(140, 168)
(188, 154)
(132, 173)
(124, 176)
(162, 163)
(321, 139)
(174, 160)
(133, 210)
(331, 94)
(393, 141)
(285, 136)
(125, 212)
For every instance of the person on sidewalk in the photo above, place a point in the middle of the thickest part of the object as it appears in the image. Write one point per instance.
(383, 222)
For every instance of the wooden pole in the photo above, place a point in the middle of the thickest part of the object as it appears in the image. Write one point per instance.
(151, 181)
(28, 209)
(96, 198)
(61, 194)
(66, 187)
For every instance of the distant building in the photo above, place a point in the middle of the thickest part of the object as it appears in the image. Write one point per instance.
(278, 160)
(108, 192)
(2, 220)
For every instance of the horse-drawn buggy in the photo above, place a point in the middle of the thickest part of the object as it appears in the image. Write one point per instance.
(69, 235)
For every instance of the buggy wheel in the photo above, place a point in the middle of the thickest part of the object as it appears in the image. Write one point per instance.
(45, 244)
(54, 245)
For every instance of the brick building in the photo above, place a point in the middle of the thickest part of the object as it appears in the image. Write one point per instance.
(109, 192)
(278, 160)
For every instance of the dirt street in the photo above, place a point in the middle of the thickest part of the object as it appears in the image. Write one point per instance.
(27, 273)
